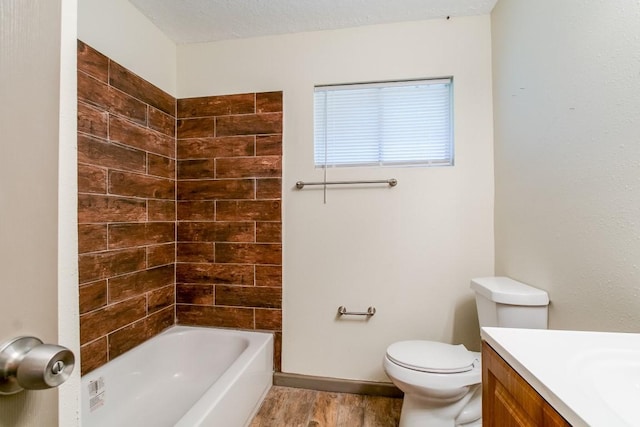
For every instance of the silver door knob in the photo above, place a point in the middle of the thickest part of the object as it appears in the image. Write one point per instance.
(27, 363)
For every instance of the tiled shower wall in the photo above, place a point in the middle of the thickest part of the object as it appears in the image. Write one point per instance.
(228, 228)
(126, 208)
(229, 252)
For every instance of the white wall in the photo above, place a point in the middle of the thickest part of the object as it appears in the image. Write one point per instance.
(118, 30)
(567, 123)
(409, 251)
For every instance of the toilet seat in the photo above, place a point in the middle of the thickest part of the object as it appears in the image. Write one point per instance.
(432, 356)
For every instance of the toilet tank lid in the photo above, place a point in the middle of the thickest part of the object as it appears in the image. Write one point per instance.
(505, 290)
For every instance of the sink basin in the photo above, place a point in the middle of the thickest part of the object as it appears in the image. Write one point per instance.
(612, 375)
(591, 378)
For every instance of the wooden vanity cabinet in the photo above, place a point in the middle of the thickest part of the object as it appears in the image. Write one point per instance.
(508, 400)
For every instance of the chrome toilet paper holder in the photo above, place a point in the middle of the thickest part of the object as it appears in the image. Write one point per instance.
(28, 363)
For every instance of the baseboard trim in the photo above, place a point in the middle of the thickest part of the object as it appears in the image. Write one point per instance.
(338, 385)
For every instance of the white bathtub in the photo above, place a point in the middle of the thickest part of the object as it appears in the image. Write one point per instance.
(184, 377)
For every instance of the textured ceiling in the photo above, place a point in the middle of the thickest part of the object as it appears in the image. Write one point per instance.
(193, 21)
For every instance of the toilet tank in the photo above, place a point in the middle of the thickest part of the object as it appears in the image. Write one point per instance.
(507, 303)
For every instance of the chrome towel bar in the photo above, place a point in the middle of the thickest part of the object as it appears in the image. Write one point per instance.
(342, 311)
(391, 182)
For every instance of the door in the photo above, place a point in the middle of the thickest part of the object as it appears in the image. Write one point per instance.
(37, 253)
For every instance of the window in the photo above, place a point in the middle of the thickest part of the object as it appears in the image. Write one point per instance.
(388, 123)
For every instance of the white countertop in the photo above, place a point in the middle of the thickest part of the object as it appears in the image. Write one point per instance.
(571, 371)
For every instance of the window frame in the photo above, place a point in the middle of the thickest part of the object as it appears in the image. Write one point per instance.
(426, 161)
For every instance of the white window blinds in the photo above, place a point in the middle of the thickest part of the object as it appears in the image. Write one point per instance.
(394, 123)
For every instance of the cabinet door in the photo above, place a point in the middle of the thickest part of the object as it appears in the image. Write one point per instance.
(508, 400)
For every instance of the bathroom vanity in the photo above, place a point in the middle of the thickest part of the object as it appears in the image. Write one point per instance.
(508, 400)
(557, 378)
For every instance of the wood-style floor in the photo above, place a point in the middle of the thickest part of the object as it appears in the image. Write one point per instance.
(296, 407)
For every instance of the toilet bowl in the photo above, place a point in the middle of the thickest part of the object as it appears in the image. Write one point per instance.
(441, 382)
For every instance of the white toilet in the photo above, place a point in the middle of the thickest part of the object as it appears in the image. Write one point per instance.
(441, 382)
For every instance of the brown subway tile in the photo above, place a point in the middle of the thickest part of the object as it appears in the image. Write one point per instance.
(135, 334)
(196, 211)
(98, 94)
(93, 355)
(161, 166)
(269, 188)
(216, 105)
(269, 275)
(234, 231)
(249, 167)
(105, 154)
(161, 298)
(248, 210)
(268, 319)
(92, 120)
(140, 234)
(268, 102)
(162, 122)
(133, 135)
(213, 189)
(92, 62)
(93, 296)
(135, 185)
(216, 232)
(94, 208)
(215, 273)
(195, 128)
(194, 252)
(194, 294)
(268, 232)
(249, 253)
(93, 91)
(160, 320)
(209, 148)
(92, 237)
(101, 265)
(123, 105)
(134, 284)
(196, 169)
(277, 351)
(269, 145)
(161, 255)
(248, 296)
(225, 317)
(249, 124)
(92, 179)
(127, 338)
(100, 322)
(138, 87)
(161, 210)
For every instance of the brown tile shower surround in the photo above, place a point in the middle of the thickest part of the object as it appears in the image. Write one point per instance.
(178, 210)
(229, 230)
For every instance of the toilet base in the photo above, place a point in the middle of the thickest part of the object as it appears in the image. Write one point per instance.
(419, 412)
